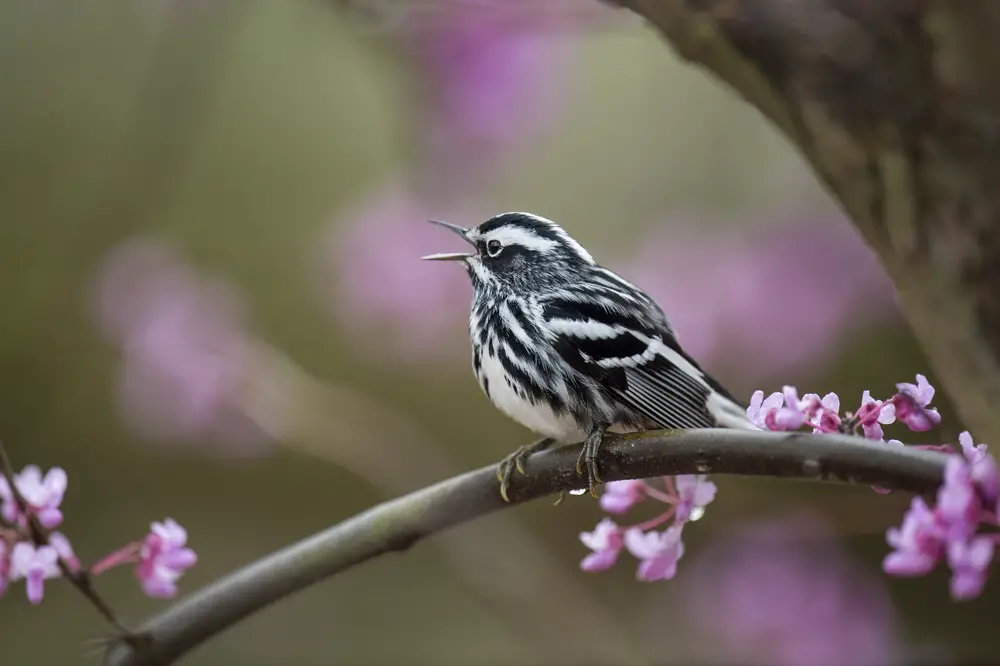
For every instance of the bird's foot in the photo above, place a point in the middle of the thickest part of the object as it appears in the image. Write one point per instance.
(515, 461)
(588, 459)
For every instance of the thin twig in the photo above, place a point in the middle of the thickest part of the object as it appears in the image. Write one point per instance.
(40, 537)
(398, 524)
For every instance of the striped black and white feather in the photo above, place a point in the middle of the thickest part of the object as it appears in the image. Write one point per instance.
(567, 347)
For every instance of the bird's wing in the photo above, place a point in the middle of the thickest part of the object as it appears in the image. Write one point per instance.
(636, 360)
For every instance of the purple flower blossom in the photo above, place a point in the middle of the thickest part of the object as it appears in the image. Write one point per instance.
(64, 549)
(686, 497)
(873, 414)
(782, 592)
(969, 562)
(163, 558)
(606, 542)
(760, 408)
(825, 413)
(185, 350)
(972, 452)
(35, 565)
(658, 552)
(986, 478)
(779, 411)
(620, 496)
(42, 494)
(790, 416)
(917, 544)
(912, 405)
(694, 493)
(958, 504)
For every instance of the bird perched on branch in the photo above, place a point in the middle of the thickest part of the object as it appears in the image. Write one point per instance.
(571, 350)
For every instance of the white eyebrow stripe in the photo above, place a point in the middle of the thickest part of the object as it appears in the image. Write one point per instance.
(566, 239)
(522, 237)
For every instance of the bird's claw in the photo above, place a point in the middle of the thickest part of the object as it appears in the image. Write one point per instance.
(515, 461)
(588, 459)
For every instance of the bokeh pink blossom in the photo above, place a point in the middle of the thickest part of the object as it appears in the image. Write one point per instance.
(185, 348)
(767, 301)
(489, 80)
(379, 290)
(784, 592)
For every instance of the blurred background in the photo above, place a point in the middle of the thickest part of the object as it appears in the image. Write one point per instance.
(212, 215)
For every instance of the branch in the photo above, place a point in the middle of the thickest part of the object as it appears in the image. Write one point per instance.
(398, 524)
(894, 104)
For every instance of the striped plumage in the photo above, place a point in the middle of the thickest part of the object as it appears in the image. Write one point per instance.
(571, 350)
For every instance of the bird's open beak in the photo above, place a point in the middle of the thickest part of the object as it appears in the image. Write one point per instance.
(450, 256)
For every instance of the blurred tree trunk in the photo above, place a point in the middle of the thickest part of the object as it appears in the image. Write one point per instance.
(896, 105)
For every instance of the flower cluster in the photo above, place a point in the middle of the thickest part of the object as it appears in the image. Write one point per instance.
(786, 411)
(32, 551)
(949, 531)
(968, 498)
(657, 551)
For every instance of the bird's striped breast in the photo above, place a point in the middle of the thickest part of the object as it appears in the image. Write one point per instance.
(511, 364)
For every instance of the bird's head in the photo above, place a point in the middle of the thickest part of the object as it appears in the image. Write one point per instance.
(517, 251)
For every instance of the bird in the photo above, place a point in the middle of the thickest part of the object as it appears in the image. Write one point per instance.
(571, 350)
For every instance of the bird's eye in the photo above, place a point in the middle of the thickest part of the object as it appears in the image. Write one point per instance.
(494, 247)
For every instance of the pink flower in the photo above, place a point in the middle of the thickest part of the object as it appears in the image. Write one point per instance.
(972, 452)
(694, 493)
(606, 542)
(969, 562)
(873, 414)
(42, 494)
(912, 405)
(64, 549)
(34, 565)
(917, 545)
(927, 535)
(658, 552)
(958, 504)
(983, 469)
(791, 416)
(620, 496)
(163, 558)
(685, 497)
(825, 413)
(761, 409)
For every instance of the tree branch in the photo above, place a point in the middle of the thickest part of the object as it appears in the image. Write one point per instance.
(895, 106)
(398, 524)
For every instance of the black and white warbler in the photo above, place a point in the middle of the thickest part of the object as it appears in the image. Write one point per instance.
(571, 350)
